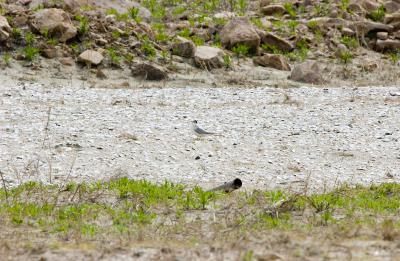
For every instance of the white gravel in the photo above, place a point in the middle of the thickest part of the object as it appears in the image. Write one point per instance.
(319, 137)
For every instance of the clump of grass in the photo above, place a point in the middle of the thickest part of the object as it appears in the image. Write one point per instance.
(147, 47)
(394, 56)
(114, 57)
(377, 15)
(241, 50)
(350, 42)
(290, 9)
(227, 61)
(16, 33)
(30, 53)
(134, 14)
(346, 57)
(7, 59)
(83, 27)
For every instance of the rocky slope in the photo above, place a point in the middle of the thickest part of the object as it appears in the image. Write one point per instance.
(354, 42)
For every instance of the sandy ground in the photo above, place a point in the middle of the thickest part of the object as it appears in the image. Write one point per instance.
(70, 128)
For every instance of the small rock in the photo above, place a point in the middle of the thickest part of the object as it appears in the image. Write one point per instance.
(348, 32)
(391, 6)
(183, 47)
(91, 57)
(382, 35)
(388, 44)
(276, 61)
(281, 44)
(240, 31)
(273, 10)
(54, 22)
(5, 29)
(207, 57)
(101, 41)
(224, 15)
(49, 52)
(100, 74)
(127, 136)
(307, 72)
(67, 61)
(265, 2)
(149, 71)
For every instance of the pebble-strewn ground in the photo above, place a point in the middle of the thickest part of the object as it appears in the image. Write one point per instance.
(268, 137)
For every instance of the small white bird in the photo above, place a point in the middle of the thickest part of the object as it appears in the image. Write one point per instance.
(199, 131)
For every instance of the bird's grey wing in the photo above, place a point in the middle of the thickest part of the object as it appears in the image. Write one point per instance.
(201, 131)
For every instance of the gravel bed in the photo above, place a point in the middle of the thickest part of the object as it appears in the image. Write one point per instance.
(268, 137)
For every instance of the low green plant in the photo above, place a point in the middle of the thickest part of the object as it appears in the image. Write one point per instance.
(312, 24)
(134, 13)
(114, 57)
(147, 47)
(270, 48)
(16, 33)
(227, 61)
(290, 9)
(241, 50)
(377, 15)
(30, 53)
(394, 56)
(346, 57)
(83, 27)
(7, 59)
(344, 5)
(186, 32)
(29, 38)
(292, 24)
(350, 42)
(197, 40)
(52, 41)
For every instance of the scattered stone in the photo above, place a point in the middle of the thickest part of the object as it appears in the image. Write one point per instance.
(240, 31)
(369, 6)
(391, 6)
(307, 72)
(348, 32)
(5, 28)
(207, 57)
(366, 27)
(49, 52)
(265, 2)
(100, 74)
(388, 44)
(67, 61)
(275, 61)
(327, 23)
(183, 47)
(273, 10)
(127, 136)
(54, 22)
(224, 15)
(281, 44)
(149, 71)
(382, 35)
(91, 57)
(355, 8)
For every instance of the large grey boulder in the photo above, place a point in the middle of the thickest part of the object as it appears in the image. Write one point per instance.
(240, 31)
(207, 57)
(307, 72)
(54, 22)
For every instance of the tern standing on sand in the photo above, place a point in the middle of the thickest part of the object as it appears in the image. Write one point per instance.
(199, 131)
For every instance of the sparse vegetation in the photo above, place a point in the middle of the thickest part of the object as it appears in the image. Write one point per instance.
(30, 53)
(346, 57)
(377, 15)
(241, 50)
(350, 42)
(120, 208)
